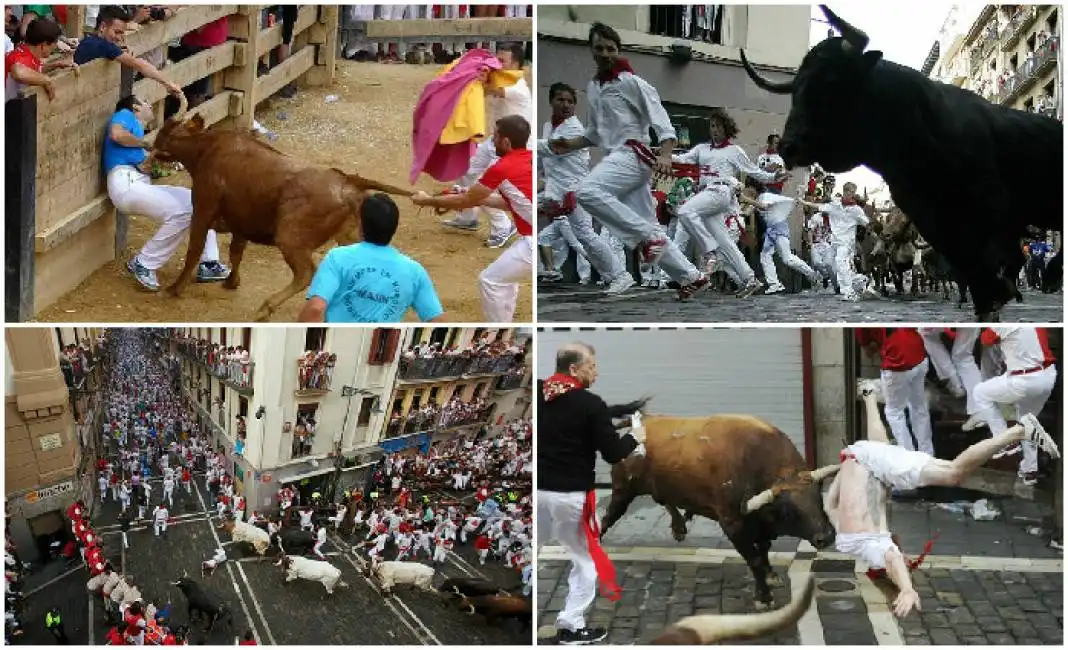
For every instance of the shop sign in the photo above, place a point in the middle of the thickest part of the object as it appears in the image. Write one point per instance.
(49, 492)
(50, 442)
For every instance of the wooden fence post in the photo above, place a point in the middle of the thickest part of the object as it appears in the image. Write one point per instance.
(20, 203)
(324, 36)
(241, 78)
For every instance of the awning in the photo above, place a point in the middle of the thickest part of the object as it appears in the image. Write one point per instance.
(400, 443)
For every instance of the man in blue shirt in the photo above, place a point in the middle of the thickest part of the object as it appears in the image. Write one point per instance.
(131, 190)
(105, 44)
(371, 282)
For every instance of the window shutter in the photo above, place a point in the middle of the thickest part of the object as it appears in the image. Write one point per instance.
(391, 347)
(372, 358)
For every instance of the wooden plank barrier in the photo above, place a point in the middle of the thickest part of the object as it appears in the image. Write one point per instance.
(60, 225)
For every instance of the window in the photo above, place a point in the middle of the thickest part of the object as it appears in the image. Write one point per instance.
(440, 335)
(222, 336)
(383, 346)
(477, 336)
(500, 335)
(417, 335)
(242, 407)
(454, 333)
(246, 337)
(702, 23)
(434, 393)
(365, 411)
(315, 338)
(691, 124)
(398, 403)
(417, 399)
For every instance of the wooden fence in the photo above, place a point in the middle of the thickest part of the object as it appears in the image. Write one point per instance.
(60, 226)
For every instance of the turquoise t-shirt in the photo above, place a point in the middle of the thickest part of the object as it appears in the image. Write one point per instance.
(367, 283)
(116, 154)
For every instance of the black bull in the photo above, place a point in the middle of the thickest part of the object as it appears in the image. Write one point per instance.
(971, 174)
(208, 606)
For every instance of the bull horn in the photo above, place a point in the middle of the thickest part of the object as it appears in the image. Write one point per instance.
(823, 472)
(183, 107)
(719, 628)
(471, 609)
(776, 87)
(855, 40)
(759, 501)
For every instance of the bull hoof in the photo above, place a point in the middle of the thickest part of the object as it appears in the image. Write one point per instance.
(774, 580)
(678, 535)
(232, 282)
(172, 292)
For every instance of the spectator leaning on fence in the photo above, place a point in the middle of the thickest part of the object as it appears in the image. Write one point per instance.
(23, 66)
(104, 44)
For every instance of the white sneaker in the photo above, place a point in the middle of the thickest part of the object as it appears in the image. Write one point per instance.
(774, 288)
(850, 297)
(1038, 436)
(622, 282)
(973, 423)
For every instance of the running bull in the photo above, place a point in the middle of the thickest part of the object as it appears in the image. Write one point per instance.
(735, 469)
(971, 174)
(243, 186)
(206, 605)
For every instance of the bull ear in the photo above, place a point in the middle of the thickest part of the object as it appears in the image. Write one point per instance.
(870, 58)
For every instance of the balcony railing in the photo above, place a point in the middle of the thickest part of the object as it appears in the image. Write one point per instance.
(1044, 59)
(444, 367)
(1047, 111)
(1021, 20)
(510, 381)
(419, 422)
(315, 376)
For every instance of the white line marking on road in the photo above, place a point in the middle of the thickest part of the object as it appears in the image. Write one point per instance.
(114, 527)
(50, 582)
(233, 581)
(809, 627)
(883, 622)
(426, 630)
(137, 529)
(360, 570)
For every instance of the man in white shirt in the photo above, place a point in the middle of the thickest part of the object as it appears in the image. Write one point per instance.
(822, 249)
(775, 209)
(622, 109)
(845, 216)
(563, 174)
(705, 214)
(771, 161)
(1029, 378)
(500, 102)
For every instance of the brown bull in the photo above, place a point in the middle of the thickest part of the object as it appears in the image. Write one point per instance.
(734, 469)
(718, 628)
(243, 186)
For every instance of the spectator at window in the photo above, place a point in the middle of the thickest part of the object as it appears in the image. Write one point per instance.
(23, 64)
(108, 41)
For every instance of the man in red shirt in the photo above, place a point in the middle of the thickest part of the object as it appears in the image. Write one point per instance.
(904, 367)
(512, 177)
(22, 65)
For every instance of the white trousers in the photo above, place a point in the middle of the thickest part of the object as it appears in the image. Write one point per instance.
(485, 156)
(903, 390)
(133, 193)
(560, 237)
(957, 365)
(704, 216)
(602, 257)
(616, 193)
(849, 282)
(1028, 392)
(159, 526)
(823, 259)
(499, 282)
(560, 518)
(782, 247)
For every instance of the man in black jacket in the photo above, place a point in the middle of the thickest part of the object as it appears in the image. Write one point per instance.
(573, 426)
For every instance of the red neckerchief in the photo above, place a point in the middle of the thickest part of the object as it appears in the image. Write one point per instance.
(770, 152)
(620, 66)
(606, 573)
(726, 143)
(560, 384)
(849, 201)
(557, 121)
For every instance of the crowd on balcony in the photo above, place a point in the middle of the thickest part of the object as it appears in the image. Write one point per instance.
(75, 361)
(478, 357)
(430, 416)
(230, 363)
(315, 370)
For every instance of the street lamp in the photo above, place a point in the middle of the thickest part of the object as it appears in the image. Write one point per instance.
(348, 392)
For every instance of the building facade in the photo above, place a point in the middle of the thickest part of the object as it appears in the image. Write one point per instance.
(1010, 55)
(305, 410)
(445, 390)
(53, 414)
(689, 53)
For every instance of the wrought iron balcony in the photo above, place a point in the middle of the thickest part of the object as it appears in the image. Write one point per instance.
(314, 377)
(422, 368)
(510, 381)
(1020, 21)
(1044, 59)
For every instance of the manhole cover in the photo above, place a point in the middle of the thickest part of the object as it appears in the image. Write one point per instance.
(837, 586)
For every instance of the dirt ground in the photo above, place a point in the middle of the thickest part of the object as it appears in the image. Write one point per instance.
(366, 130)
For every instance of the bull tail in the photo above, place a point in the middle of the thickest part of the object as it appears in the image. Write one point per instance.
(628, 409)
(368, 184)
(720, 628)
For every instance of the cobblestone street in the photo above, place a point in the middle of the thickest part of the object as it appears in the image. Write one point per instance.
(283, 614)
(584, 304)
(986, 582)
